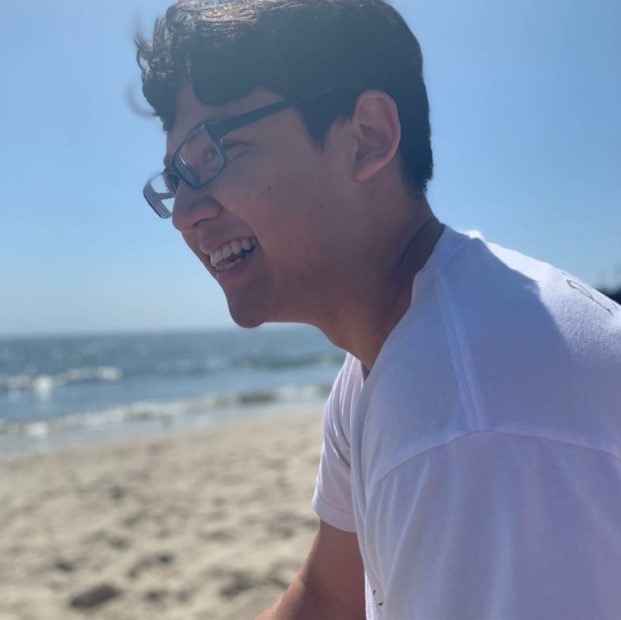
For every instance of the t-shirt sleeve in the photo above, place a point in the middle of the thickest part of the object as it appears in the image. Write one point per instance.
(332, 500)
(496, 525)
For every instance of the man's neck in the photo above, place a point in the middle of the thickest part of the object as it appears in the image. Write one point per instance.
(363, 325)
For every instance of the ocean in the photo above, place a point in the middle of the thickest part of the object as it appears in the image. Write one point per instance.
(61, 390)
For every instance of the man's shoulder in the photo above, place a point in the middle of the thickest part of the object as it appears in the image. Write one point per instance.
(480, 292)
(497, 341)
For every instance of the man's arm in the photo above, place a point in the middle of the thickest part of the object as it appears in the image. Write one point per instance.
(330, 584)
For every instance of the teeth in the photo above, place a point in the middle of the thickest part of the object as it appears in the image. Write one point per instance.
(231, 249)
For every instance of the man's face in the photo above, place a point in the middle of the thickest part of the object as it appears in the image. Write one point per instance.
(274, 228)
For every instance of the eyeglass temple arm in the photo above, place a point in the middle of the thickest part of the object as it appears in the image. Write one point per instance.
(217, 130)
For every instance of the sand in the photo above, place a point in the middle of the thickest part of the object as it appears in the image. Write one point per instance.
(209, 524)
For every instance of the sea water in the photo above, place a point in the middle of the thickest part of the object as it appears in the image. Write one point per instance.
(66, 389)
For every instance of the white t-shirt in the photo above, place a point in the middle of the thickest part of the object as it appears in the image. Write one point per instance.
(479, 463)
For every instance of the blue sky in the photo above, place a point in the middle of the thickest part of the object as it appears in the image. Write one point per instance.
(526, 117)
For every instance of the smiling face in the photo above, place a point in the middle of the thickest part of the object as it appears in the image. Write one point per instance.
(276, 227)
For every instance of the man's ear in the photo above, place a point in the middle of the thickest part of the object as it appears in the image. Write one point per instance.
(378, 133)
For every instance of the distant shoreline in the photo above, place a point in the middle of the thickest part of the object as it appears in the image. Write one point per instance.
(73, 389)
(45, 442)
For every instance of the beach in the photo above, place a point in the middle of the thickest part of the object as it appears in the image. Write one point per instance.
(195, 524)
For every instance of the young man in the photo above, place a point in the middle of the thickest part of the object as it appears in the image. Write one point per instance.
(471, 460)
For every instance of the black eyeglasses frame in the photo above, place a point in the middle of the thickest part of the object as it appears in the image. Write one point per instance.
(217, 131)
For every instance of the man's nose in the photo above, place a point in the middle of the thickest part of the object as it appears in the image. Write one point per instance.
(191, 206)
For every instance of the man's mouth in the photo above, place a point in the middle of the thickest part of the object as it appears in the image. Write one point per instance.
(231, 254)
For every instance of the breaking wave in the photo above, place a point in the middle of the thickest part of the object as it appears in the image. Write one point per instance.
(47, 382)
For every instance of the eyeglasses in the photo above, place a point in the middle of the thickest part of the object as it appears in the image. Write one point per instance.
(202, 156)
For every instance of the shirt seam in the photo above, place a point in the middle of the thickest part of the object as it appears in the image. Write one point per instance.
(538, 437)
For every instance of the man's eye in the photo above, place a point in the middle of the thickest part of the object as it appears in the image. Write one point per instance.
(210, 154)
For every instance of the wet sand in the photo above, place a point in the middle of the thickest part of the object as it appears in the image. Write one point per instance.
(196, 525)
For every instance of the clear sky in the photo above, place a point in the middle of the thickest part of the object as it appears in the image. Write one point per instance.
(526, 118)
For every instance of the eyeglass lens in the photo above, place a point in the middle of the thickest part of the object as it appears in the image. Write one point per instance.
(199, 159)
(159, 194)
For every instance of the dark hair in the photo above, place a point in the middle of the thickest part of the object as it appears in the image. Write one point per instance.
(227, 48)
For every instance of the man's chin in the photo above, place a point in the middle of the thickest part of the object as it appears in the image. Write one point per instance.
(246, 319)
(247, 324)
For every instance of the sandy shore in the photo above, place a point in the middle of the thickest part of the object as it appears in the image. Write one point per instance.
(207, 524)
